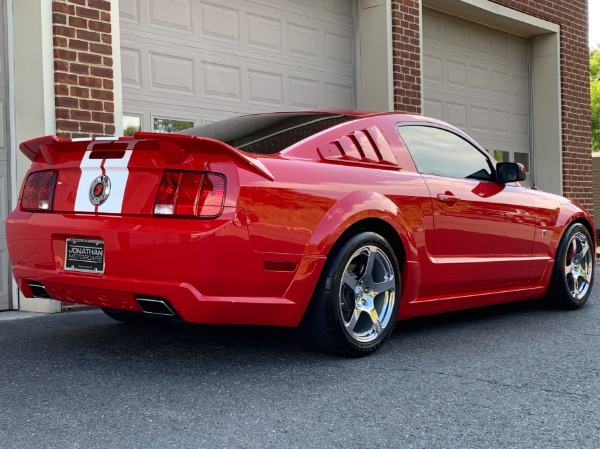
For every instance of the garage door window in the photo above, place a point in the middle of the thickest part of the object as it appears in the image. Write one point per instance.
(167, 125)
(131, 124)
(439, 152)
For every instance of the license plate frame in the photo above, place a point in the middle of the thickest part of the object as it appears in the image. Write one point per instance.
(84, 255)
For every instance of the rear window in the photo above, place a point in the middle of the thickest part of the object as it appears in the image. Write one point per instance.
(267, 133)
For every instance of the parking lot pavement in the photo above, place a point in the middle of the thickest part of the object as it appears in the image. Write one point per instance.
(515, 376)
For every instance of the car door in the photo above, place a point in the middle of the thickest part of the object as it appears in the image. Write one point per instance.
(483, 230)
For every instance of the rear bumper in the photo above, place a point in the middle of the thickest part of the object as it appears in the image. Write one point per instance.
(204, 268)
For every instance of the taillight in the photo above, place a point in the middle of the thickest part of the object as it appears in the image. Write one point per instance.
(190, 194)
(38, 193)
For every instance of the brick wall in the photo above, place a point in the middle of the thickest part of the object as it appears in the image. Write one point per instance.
(406, 37)
(596, 188)
(576, 129)
(83, 79)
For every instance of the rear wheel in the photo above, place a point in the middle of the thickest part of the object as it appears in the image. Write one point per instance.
(355, 304)
(573, 274)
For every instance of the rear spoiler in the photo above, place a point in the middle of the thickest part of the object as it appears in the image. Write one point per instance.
(175, 148)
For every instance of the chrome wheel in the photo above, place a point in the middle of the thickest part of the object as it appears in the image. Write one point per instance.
(367, 294)
(573, 273)
(355, 304)
(579, 265)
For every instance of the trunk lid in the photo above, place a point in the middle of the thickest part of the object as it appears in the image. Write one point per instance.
(123, 175)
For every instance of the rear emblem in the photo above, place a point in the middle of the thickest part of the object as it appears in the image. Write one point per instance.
(99, 190)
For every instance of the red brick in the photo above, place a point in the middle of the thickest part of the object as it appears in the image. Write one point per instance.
(67, 125)
(101, 72)
(109, 130)
(90, 105)
(63, 8)
(79, 69)
(101, 48)
(58, 18)
(105, 95)
(90, 81)
(99, 4)
(66, 102)
(62, 113)
(80, 92)
(78, 45)
(102, 27)
(62, 42)
(65, 78)
(66, 55)
(79, 115)
(95, 128)
(61, 89)
(90, 58)
(103, 117)
(61, 66)
(64, 31)
(90, 36)
(87, 13)
(78, 22)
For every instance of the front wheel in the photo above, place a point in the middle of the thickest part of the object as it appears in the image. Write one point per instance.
(355, 304)
(573, 274)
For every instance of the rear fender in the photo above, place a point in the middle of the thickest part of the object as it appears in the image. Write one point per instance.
(351, 209)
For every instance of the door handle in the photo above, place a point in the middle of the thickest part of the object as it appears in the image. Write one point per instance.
(447, 198)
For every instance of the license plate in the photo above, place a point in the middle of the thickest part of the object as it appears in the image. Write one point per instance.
(85, 255)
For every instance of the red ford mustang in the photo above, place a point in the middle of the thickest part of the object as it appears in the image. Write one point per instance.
(339, 223)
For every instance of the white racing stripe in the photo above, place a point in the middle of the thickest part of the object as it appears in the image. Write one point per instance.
(90, 170)
(116, 170)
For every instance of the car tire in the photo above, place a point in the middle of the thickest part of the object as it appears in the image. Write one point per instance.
(573, 272)
(355, 304)
(130, 317)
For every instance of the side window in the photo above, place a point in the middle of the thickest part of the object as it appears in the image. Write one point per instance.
(439, 152)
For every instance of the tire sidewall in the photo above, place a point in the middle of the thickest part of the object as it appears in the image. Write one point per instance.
(332, 288)
(562, 294)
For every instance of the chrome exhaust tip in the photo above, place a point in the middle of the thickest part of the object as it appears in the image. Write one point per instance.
(156, 306)
(38, 290)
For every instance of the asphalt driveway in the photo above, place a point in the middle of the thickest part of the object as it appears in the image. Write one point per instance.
(515, 376)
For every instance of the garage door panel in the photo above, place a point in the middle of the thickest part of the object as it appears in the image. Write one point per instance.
(219, 22)
(241, 57)
(478, 79)
(265, 88)
(511, 124)
(131, 67)
(324, 45)
(264, 33)
(173, 15)
(304, 93)
(170, 73)
(129, 11)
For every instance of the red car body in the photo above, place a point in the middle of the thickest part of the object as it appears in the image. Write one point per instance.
(462, 242)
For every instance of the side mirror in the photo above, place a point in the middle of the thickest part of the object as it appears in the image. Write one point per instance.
(510, 172)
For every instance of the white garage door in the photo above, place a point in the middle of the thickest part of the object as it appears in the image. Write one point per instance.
(199, 61)
(477, 79)
(5, 275)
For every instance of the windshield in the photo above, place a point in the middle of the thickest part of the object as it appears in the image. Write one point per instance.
(268, 133)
